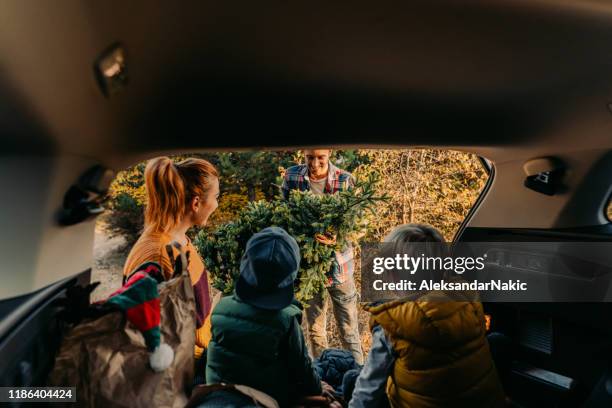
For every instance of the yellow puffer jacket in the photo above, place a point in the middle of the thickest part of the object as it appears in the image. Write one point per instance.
(443, 356)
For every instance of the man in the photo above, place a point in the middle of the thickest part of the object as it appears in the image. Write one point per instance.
(322, 177)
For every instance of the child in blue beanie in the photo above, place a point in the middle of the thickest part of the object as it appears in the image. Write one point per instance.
(257, 339)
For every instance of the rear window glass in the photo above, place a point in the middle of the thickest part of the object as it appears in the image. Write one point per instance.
(609, 210)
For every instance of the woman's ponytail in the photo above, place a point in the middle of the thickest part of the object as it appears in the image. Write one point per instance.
(171, 187)
(165, 195)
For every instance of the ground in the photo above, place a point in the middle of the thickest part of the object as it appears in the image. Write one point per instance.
(110, 254)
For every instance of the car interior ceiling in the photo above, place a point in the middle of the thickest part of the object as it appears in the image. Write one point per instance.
(510, 82)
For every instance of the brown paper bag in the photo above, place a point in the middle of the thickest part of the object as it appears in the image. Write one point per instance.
(107, 361)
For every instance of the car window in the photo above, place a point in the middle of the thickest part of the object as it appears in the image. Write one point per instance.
(609, 210)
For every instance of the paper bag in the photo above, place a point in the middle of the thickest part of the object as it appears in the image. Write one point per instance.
(107, 361)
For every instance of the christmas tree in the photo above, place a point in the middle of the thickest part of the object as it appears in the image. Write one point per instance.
(334, 218)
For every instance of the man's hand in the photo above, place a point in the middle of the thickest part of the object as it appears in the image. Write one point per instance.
(325, 239)
(328, 390)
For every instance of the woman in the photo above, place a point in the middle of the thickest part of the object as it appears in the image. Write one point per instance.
(179, 196)
(430, 349)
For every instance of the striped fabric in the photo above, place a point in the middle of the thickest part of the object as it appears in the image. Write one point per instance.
(151, 246)
(139, 299)
(296, 178)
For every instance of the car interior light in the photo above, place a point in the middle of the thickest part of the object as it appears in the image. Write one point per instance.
(111, 70)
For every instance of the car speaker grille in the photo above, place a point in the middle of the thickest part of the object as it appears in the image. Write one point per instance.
(536, 333)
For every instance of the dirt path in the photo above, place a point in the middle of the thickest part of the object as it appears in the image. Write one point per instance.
(109, 256)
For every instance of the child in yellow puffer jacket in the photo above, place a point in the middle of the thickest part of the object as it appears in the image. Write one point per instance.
(428, 350)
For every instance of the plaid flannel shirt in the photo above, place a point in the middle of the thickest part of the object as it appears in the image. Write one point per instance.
(296, 178)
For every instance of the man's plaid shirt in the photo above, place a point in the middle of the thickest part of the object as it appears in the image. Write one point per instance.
(296, 178)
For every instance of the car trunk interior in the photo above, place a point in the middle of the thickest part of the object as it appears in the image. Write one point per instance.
(511, 82)
(560, 351)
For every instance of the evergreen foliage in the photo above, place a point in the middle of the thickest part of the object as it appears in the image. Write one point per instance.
(303, 215)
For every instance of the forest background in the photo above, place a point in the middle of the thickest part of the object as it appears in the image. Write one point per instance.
(436, 187)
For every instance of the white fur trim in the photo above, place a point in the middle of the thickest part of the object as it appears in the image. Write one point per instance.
(161, 358)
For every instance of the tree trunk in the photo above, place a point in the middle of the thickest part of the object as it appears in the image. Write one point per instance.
(251, 192)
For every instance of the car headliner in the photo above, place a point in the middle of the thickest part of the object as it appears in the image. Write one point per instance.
(203, 74)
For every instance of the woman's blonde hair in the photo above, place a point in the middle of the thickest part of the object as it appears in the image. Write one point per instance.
(171, 187)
